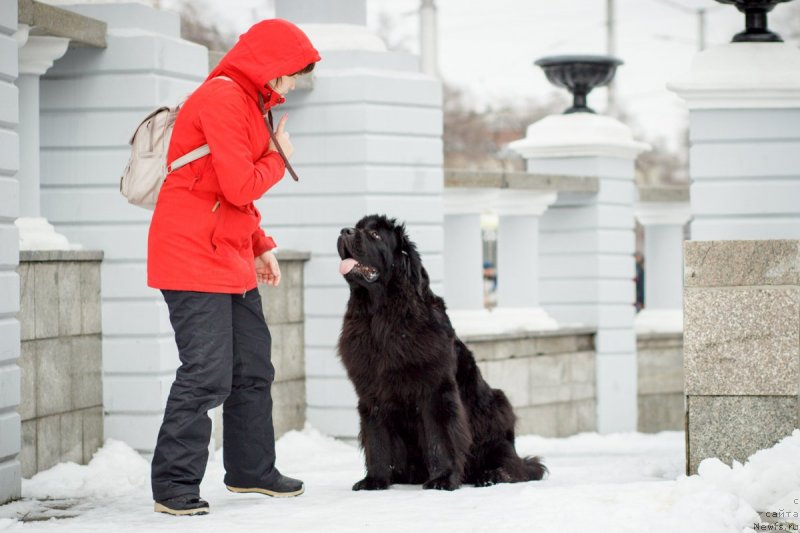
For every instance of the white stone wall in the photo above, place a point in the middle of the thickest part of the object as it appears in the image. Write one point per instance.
(367, 140)
(9, 258)
(91, 100)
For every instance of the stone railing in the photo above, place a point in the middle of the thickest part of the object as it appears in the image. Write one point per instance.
(519, 199)
(61, 403)
(549, 378)
(659, 374)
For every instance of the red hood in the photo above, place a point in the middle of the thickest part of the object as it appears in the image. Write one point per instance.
(268, 50)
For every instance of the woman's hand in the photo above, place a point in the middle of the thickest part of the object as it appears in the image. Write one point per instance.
(283, 138)
(267, 269)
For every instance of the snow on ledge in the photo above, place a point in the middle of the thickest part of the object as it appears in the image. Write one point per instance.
(35, 233)
(499, 321)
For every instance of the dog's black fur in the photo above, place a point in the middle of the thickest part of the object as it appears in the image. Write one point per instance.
(427, 415)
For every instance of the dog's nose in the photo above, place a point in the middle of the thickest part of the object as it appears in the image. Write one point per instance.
(348, 231)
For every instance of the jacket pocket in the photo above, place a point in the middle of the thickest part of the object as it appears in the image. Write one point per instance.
(235, 226)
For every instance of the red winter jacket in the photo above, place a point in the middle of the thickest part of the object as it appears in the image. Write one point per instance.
(192, 245)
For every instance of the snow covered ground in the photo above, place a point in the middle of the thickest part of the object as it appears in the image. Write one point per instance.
(610, 483)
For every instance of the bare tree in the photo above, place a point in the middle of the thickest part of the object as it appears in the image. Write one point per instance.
(196, 27)
(786, 21)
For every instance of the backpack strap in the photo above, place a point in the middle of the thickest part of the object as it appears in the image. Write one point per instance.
(185, 159)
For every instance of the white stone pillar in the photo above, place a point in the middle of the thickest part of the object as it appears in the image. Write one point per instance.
(367, 140)
(663, 265)
(744, 111)
(587, 245)
(463, 246)
(519, 212)
(36, 56)
(92, 99)
(10, 384)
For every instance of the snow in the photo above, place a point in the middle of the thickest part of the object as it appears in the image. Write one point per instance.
(36, 233)
(621, 482)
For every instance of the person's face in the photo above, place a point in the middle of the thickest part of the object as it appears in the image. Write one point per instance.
(283, 85)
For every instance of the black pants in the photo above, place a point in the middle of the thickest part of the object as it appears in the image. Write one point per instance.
(224, 347)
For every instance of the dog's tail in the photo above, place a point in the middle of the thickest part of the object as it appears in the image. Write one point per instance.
(534, 468)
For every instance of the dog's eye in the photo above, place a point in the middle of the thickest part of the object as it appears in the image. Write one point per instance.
(375, 235)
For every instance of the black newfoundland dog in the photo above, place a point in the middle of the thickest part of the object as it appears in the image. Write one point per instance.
(427, 415)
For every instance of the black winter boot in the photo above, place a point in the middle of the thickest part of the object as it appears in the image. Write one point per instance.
(185, 505)
(282, 487)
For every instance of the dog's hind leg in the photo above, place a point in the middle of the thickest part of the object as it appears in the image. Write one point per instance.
(445, 438)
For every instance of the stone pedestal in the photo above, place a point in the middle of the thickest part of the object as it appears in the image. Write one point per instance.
(61, 361)
(744, 111)
(587, 245)
(367, 140)
(663, 215)
(742, 325)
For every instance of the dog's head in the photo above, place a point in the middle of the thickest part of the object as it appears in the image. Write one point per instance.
(378, 251)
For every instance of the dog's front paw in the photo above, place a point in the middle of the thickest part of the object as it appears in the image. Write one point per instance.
(445, 482)
(369, 483)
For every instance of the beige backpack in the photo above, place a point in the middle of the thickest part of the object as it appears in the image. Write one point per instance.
(147, 167)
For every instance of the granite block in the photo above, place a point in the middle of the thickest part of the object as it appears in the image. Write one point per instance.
(289, 406)
(86, 371)
(91, 312)
(549, 370)
(53, 376)
(46, 300)
(275, 301)
(582, 367)
(742, 341)
(552, 394)
(290, 363)
(482, 351)
(513, 377)
(734, 427)
(27, 364)
(557, 419)
(48, 442)
(69, 298)
(71, 437)
(557, 344)
(741, 263)
(27, 309)
(586, 415)
(92, 420)
(294, 304)
(27, 454)
(537, 420)
(660, 370)
(661, 412)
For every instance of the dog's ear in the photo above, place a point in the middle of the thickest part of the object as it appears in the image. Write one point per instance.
(410, 262)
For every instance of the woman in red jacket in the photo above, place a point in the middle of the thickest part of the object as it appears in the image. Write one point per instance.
(207, 252)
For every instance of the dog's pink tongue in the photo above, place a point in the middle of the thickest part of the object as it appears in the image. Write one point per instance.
(346, 266)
